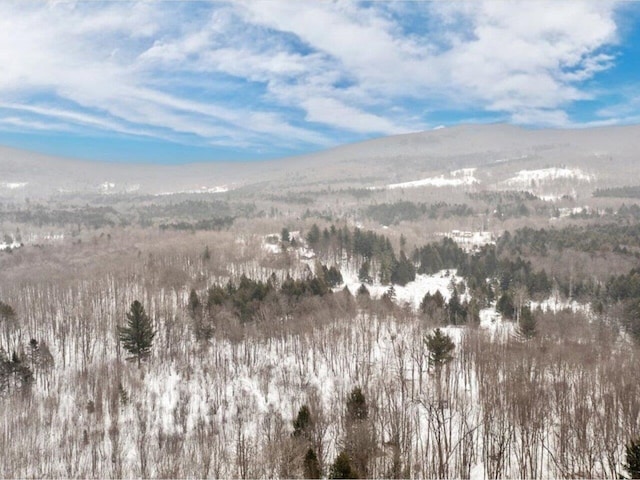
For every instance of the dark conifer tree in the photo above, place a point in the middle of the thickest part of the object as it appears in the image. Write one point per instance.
(363, 290)
(342, 468)
(8, 320)
(14, 373)
(195, 306)
(357, 408)
(363, 273)
(313, 237)
(302, 421)
(527, 325)
(632, 463)
(137, 335)
(285, 236)
(440, 347)
(431, 303)
(403, 271)
(311, 465)
(457, 311)
(506, 307)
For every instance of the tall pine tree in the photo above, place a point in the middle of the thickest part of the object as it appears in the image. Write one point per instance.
(137, 335)
(440, 348)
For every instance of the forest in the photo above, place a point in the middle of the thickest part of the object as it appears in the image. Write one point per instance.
(152, 342)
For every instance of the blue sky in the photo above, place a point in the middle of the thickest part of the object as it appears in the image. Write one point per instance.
(174, 82)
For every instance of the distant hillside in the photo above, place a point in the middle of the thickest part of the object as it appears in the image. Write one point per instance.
(503, 156)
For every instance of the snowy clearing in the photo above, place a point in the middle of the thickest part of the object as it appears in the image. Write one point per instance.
(413, 292)
(470, 241)
(216, 189)
(13, 185)
(11, 246)
(525, 178)
(108, 188)
(456, 178)
(555, 303)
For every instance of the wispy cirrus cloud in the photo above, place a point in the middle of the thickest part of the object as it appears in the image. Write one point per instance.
(296, 75)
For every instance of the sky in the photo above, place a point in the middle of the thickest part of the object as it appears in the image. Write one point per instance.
(180, 81)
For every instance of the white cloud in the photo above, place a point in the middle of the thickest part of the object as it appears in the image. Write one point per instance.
(254, 73)
(548, 118)
(65, 53)
(331, 111)
(511, 57)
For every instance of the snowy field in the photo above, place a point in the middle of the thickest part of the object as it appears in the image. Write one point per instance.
(455, 178)
(203, 189)
(13, 185)
(410, 294)
(525, 178)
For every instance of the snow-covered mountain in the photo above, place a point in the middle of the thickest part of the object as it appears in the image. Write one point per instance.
(503, 156)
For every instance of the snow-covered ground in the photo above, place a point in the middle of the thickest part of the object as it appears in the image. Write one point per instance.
(492, 322)
(525, 178)
(553, 197)
(218, 403)
(470, 241)
(272, 244)
(13, 245)
(13, 185)
(216, 189)
(555, 303)
(107, 188)
(455, 178)
(413, 292)
(46, 237)
(567, 212)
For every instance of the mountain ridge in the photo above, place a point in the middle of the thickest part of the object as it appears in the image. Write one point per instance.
(392, 159)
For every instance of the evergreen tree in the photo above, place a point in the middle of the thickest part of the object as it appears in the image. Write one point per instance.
(440, 347)
(202, 329)
(430, 303)
(332, 276)
(216, 296)
(14, 373)
(357, 406)
(137, 335)
(363, 290)
(342, 468)
(363, 273)
(505, 306)
(285, 236)
(403, 271)
(528, 324)
(313, 237)
(302, 421)
(8, 320)
(457, 311)
(387, 265)
(194, 305)
(632, 463)
(7, 314)
(311, 465)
